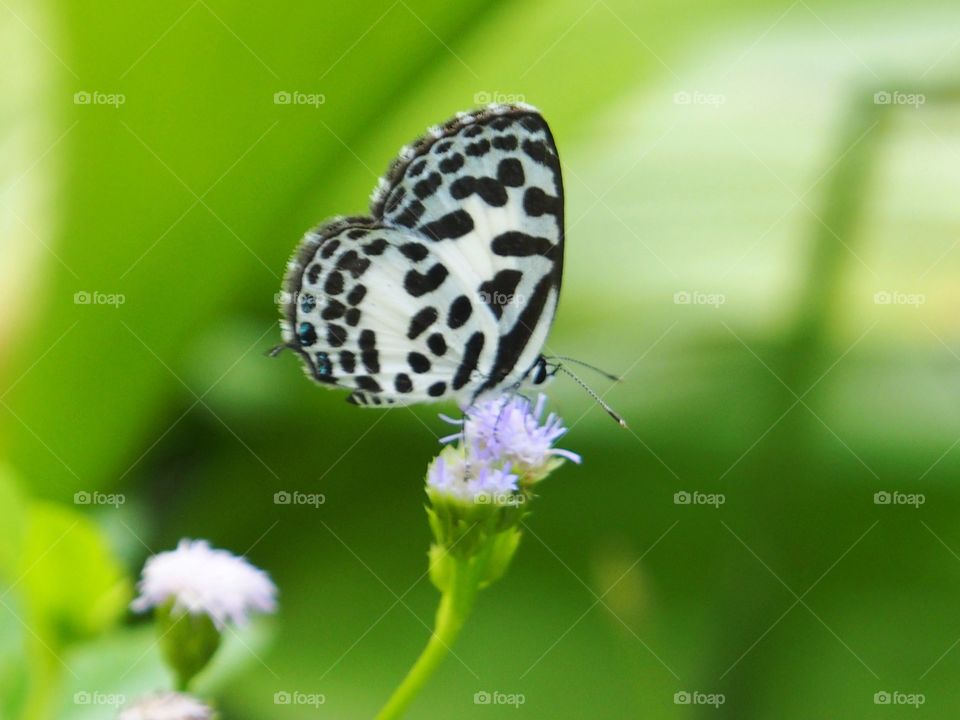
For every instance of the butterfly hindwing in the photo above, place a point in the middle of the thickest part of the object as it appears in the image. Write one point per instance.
(372, 315)
(450, 287)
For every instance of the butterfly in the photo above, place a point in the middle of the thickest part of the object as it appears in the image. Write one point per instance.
(448, 289)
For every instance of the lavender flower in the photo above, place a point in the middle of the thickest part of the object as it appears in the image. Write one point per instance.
(167, 706)
(452, 476)
(508, 430)
(201, 580)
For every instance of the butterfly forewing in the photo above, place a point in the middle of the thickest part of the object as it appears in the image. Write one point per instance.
(450, 287)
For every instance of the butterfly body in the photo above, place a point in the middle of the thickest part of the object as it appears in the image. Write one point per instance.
(447, 290)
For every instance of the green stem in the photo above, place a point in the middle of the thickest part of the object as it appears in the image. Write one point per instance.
(455, 606)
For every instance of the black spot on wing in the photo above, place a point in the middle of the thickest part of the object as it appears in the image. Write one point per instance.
(437, 344)
(449, 227)
(417, 168)
(365, 382)
(329, 248)
(510, 172)
(348, 361)
(478, 149)
(414, 251)
(351, 262)
(402, 383)
(313, 273)
(370, 360)
(368, 340)
(471, 355)
(418, 362)
(411, 214)
(428, 186)
(518, 244)
(333, 310)
(452, 164)
(336, 335)
(421, 321)
(375, 247)
(536, 203)
(460, 311)
(417, 283)
(355, 296)
(437, 389)
(505, 142)
(334, 284)
(499, 292)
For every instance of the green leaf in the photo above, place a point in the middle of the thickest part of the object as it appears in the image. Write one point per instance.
(72, 585)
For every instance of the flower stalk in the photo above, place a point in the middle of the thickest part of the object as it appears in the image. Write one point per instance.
(478, 492)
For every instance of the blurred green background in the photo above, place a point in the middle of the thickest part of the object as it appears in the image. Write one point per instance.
(762, 237)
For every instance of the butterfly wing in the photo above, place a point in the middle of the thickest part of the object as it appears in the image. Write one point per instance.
(460, 266)
(368, 312)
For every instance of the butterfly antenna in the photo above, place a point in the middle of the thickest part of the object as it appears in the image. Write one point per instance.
(609, 376)
(599, 400)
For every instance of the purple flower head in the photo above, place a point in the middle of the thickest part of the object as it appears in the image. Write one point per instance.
(452, 476)
(510, 430)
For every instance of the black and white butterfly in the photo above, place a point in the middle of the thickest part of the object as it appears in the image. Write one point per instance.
(449, 287)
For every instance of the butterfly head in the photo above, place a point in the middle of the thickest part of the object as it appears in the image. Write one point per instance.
(541, 373)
